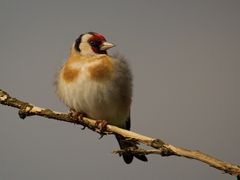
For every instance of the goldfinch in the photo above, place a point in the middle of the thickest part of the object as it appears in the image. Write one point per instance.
(98, 85)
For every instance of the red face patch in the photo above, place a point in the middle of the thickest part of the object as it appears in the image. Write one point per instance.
(96, 41)
(98, 36)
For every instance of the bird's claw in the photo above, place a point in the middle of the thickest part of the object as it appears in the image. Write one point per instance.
(101, 136)
(76, 115)
(102, 125)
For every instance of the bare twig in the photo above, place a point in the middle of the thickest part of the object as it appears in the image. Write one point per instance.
(160, 147)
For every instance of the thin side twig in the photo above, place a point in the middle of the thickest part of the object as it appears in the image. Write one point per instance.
(160, 147)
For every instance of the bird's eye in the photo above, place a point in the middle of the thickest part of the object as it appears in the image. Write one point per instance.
(95, 43)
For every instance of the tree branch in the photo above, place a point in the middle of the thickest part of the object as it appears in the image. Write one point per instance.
(160, 147)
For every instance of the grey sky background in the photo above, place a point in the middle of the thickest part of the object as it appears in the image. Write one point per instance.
(185, 58)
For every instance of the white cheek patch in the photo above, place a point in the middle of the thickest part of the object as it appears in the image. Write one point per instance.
(86, 49)
(84, 46)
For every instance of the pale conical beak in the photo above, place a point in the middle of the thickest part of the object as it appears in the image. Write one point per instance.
(106, 45)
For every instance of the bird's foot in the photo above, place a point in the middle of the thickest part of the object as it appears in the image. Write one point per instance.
(76, 115)
(102, 125)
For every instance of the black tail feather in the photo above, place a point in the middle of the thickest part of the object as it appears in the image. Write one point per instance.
(128, 157)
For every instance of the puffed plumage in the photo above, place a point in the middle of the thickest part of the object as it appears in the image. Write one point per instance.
(98, 85)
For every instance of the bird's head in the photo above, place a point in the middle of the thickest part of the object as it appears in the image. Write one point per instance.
(92, 43)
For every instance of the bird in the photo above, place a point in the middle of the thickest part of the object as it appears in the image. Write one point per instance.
(98, 85)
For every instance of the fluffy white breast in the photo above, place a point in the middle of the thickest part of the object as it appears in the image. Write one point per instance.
(107, 99)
